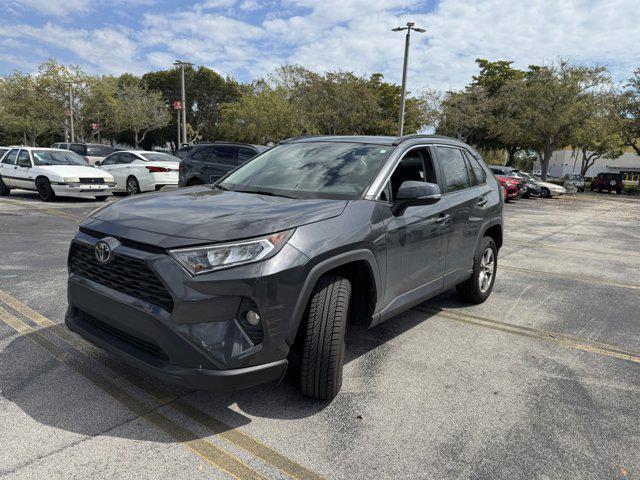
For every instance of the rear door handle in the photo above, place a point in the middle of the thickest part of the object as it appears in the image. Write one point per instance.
(482, 202)
(443, 218)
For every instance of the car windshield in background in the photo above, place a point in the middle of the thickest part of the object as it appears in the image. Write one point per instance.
(99, 150)
(160, 157)
(574, 176)
(57, 157)
(311, 169)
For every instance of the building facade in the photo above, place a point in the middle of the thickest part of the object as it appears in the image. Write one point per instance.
(564, 161)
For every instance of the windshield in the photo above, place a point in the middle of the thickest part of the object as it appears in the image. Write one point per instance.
(311, 169)
(57, 157)
(527, 176)
(160, 157)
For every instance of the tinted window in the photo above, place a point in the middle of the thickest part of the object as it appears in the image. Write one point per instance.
(476, 169)
(312, 169)
(99, 150)
(183, 152)
(245, 153)
(79, 149)
(205, 154)
(111, 159)
(416, 165)
(23, 159)
(10, 158)
(226, 155)
(454, 169)
(125, 158)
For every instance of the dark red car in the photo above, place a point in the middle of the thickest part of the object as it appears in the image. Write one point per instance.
(609, 182)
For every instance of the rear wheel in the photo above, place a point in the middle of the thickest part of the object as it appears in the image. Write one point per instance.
(323, 342)
(193, 182)
(485, 264)
(133, 187)
(4, 190)
(545, 193)
(43, 186)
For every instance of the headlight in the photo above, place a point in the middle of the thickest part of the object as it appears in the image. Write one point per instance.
(70, 180)
(215, 257)
(107, 179)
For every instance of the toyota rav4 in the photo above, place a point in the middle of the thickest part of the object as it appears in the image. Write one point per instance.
(227, 285)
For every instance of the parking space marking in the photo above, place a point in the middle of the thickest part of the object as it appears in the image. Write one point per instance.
(580, 278)
(217, 427)
(544, 335)
(212, 454)
(534, 243)
(68, 216)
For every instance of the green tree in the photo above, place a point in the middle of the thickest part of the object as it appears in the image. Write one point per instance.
(138, 109)
(630, 112)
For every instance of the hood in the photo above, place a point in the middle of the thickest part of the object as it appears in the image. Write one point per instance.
(551, 186)
(202, 214)
(74, 171)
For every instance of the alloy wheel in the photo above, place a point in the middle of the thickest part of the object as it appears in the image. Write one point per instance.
(487, 266)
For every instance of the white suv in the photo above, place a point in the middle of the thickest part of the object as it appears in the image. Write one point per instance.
(52, 172)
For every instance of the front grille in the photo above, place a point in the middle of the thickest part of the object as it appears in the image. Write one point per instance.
(145, 247)
(124, 274)
(147, 347)
(91, 180)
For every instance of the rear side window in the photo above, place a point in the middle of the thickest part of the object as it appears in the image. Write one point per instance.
(245, 153)
(79, 149)
(476, 169)
(99, 150)
(454, 169)
(10, 158)
(226, 155)
(205, 154)
(24, 160)
(183, 152)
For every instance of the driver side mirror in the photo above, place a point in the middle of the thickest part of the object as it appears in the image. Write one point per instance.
(413, 193)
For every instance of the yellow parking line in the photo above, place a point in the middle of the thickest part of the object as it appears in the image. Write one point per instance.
(543, 335)
(217, 457)
(578, 278)
(232, 435)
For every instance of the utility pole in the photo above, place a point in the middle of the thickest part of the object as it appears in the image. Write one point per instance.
(73, 136)
(410, 26)
(178, 118)
(181, 64)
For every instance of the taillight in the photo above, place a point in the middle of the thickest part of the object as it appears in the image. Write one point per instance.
(158, 169)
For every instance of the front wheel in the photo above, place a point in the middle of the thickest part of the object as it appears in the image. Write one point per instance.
(4, 190)
(485, 264)
(323, 344)
(43, 186)
(545, 193)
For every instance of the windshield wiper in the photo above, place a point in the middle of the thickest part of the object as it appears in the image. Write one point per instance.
(264, 192)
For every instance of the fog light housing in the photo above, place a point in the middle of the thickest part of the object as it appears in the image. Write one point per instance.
(222, 340)
(253, 318)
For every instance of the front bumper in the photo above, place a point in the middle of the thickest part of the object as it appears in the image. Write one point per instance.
(160, 339)
(83, 190)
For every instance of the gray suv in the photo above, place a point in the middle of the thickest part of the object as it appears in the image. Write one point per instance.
(226, 286)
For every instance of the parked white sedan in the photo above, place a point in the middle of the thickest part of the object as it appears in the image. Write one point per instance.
(138, 171)
(52, 172)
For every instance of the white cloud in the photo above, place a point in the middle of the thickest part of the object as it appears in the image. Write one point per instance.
(355, 35)
(65, 8)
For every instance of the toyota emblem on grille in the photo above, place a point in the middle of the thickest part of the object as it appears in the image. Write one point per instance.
(102, 251)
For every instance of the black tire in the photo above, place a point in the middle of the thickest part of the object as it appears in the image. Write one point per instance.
(545, 193)
(133, 187)
(193, 182)
(102, 198)
(323, 342)
(43, 186)
(473, 290)
(4, 190)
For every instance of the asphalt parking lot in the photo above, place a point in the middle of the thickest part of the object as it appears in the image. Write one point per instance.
(541, 381)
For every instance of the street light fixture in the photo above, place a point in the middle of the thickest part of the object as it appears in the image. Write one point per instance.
(410, 26)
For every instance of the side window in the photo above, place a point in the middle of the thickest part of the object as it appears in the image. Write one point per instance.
(226, 155)
(125, 158)
(244, 154)
(479, 172)
(79, 149)
(204, 154)
(24, 160)
(454, 169)
(111, 159)
(415, 165)
(10, 158)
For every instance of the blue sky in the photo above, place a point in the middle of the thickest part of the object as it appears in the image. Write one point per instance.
(248, 38)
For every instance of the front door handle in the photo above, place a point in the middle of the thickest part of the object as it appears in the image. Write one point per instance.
(482, 202)
(443, 218)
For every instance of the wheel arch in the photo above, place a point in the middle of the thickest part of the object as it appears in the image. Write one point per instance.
(494, 231)
(361, 267)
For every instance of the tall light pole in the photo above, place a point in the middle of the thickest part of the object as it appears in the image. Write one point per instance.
(73, 136)
(410, 26)
(181, 64)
